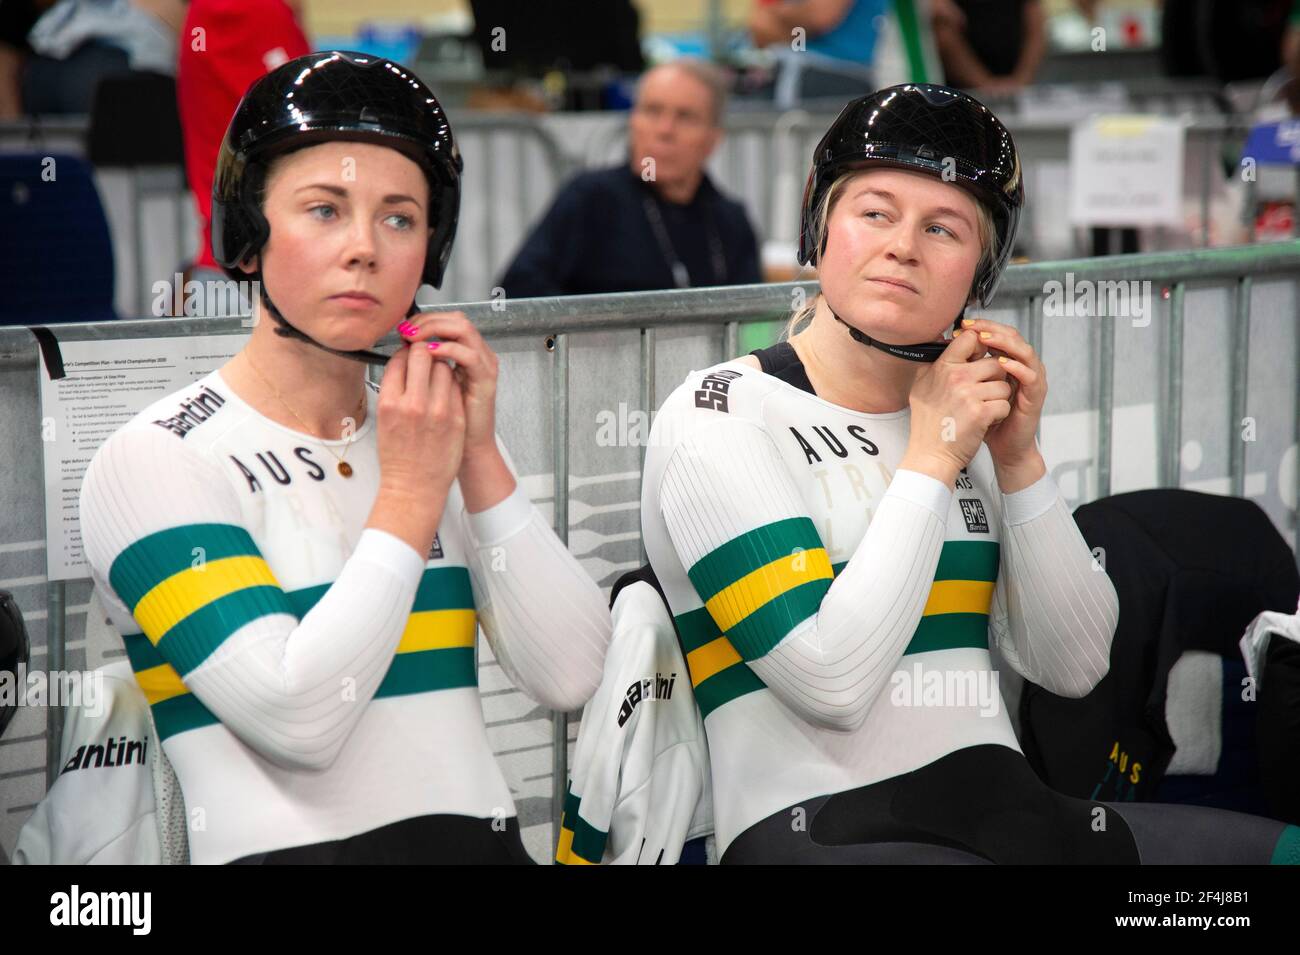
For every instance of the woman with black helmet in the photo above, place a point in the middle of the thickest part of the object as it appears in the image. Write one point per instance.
(297, 564)
(842, 523)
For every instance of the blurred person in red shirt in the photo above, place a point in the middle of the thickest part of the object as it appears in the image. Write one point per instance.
(225, 45)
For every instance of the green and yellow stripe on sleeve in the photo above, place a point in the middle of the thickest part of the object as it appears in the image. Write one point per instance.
(175, 709)
(436, 651)
(761, 585)
(580, 842)
(955, 614)
(190, 588)
(756, 588)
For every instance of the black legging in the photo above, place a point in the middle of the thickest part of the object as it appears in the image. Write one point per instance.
(442, 839)
(984, 804)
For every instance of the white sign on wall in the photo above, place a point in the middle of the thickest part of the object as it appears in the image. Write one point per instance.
(1126, 171)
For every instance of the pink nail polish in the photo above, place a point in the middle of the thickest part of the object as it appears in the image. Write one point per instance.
(433, 346)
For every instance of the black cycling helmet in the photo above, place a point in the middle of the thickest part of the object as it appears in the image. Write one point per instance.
(932, 129)
(323, 97)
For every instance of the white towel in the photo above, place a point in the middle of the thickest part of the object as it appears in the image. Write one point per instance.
(1254, 645)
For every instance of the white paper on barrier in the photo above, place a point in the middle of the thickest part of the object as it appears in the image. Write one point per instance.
(107, 383)
(1126, 171)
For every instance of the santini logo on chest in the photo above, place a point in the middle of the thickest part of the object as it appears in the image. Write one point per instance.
(193, 412)
(712, 392)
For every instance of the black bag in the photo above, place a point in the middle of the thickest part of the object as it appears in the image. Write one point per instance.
(1191, 571)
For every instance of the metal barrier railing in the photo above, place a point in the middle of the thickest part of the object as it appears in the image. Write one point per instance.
(555, 320)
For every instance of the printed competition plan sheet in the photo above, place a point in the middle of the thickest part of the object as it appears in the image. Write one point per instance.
(106, 384)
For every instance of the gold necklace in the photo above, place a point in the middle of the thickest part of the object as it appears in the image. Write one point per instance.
(344, 468)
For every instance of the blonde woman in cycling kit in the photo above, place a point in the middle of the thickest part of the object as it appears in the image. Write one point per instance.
(845, 522)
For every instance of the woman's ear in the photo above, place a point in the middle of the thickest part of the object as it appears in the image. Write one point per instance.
(250, 265)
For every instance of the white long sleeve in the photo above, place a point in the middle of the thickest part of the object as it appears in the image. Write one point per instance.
(544, 616)
(727, 480)
(1054, 610)
(290, 689)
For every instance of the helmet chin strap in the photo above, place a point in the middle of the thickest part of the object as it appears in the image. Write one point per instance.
(285, 330)
(923, 351)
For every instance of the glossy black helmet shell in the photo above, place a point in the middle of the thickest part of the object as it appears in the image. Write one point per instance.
(15, 652)
(322, 97)
(925, 128)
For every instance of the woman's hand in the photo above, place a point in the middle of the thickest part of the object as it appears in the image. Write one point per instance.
(485, 478)
(1011, 440)
(954, 402)
(421, 434)
(476, 371)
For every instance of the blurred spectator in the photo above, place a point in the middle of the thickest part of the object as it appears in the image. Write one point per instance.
(1291, 58)
(76, 43)
(531, 39)
(228, 44)
(16, 20)
(832, 56)
(993, 46)
(1227, 40)
(655, 221)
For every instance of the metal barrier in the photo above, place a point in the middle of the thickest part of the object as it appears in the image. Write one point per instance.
(639, 344)
(513, 169)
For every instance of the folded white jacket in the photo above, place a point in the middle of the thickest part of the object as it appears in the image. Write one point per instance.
(115, 800)
(639, 785)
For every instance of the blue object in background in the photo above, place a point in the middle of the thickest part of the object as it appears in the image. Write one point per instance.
(854, 38)
(56, 256)
(619, 94)
(1274, 144)
(398, 42)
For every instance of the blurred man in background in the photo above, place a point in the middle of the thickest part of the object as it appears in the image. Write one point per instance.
(993, 46)
(654, 222)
